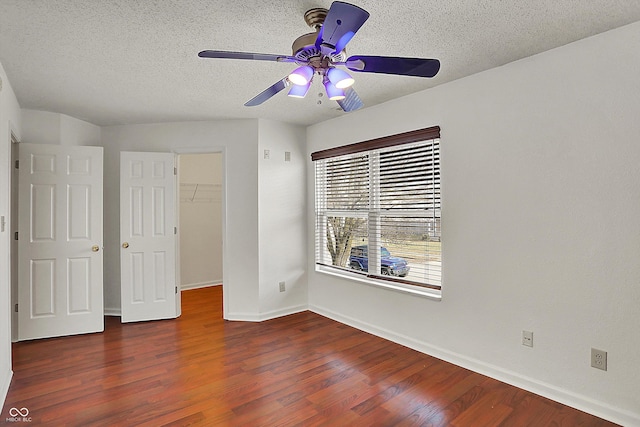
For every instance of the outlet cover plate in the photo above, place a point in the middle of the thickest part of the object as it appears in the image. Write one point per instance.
(599, 359)
(527, 338)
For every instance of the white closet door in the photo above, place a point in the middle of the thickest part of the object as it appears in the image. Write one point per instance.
(147, 221)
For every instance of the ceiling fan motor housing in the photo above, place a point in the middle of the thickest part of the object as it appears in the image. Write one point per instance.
(304, 47)
(315, 17)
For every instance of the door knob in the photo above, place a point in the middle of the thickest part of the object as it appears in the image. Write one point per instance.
(125, 245)
(95, 248)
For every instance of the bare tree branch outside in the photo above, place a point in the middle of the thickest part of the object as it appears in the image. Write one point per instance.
(347, 190)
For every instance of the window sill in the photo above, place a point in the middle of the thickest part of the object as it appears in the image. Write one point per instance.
(418, 291)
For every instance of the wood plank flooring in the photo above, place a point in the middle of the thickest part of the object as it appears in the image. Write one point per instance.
(299, 370)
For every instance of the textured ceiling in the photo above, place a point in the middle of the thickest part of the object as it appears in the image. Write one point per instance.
(135, 61)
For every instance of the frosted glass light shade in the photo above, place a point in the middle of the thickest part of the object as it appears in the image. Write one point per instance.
(340, 79)
(299, 91)
(333, 93)
(301, 75)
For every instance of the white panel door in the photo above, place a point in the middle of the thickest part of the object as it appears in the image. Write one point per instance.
(147, 221)
(60, 241)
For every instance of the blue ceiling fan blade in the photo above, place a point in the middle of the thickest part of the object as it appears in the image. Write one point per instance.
(341, 24)
(417, 67)
(268, 92)
(351, 101)
(245, 55)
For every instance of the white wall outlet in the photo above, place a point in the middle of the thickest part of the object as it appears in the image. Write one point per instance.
(599, 359)
(282, 287)
(267, 154)
(527, 338)
(287, 156)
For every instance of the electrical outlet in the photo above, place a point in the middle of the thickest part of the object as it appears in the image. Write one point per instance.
(267, 154)
(527, 338)
(282, 288)
(599, 359)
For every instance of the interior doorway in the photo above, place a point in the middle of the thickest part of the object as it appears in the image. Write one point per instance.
(200, 220)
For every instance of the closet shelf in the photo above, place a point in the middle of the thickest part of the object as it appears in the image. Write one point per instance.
(200, 193)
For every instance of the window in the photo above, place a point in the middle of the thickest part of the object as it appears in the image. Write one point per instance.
(378, 208)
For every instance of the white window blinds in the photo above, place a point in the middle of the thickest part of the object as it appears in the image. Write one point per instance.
(378, 208)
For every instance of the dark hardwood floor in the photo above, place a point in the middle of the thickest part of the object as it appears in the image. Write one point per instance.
(302, 369)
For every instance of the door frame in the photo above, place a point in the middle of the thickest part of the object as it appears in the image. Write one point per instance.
(14, 185)
(208, 150)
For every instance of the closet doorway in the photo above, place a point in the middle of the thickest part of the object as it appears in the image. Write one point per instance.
(200, 219)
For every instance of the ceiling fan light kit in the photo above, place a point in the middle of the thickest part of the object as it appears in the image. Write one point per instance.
(323, 50)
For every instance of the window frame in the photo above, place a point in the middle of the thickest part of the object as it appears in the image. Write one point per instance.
(321, 210)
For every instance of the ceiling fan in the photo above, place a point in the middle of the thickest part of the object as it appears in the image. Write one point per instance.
(319, 53)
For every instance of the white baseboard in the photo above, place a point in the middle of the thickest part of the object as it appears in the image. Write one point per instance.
(4, 386)
(113, 312)
(549, 391)
(261, 317)
(199, 285)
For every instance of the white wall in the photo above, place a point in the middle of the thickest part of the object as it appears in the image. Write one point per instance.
(200, 227)
(282, 219)
(540, 179)
(44, 127)
(10, 121)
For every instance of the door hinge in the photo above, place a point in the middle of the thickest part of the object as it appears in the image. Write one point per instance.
(17, 164)
(175, 230)
(16, 235)
(176, 290)
(16, 308)
(175, 170)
